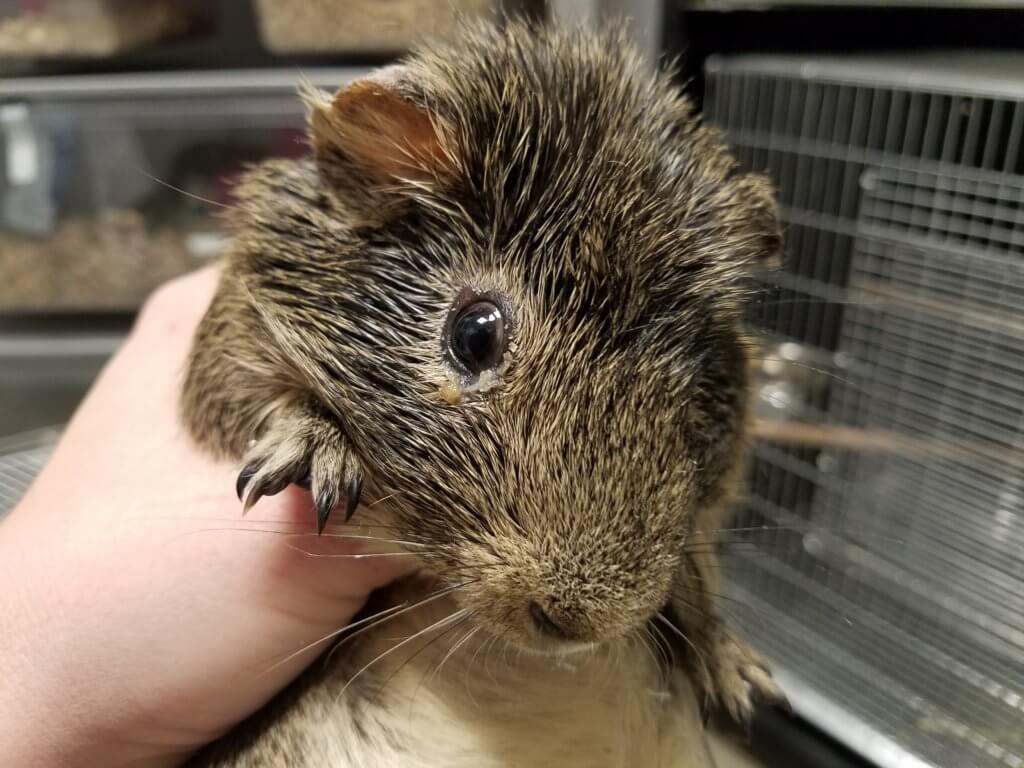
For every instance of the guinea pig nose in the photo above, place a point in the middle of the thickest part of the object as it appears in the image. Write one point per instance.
(545, 624)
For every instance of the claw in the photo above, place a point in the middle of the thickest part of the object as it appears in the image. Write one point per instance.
(324, 505)
(247, 473)
(263, 485)
(302, 449)
(249, 503)
(326, 502)
(354, 489)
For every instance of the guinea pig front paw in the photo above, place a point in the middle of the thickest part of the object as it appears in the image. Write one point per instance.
(303, 448)
(737, 678)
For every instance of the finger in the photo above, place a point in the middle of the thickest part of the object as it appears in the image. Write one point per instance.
(176, 307)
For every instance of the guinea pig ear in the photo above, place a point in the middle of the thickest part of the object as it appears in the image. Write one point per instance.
(375, 128)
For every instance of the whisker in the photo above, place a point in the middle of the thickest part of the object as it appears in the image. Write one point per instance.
(454, 616)
(740, 529)
(370, 538)
(662, 660)
(361, 525)
(263, 521)
(488, 656)
(467, 668)
(805, 366)
(845, 301)
(682, 635)
(696, 609)
(293, 534)
(235, 529)
(405, 608)
(375, 620)
(351, 555)
(643, 640)
(807, 528)
(663, 645)
(429, 644)
(760, 614)
(725, 548)
(333, 634)
(452, 651)
(170, 186)
(737, 601)
(485, 647)
(504, 649)
(423, 677)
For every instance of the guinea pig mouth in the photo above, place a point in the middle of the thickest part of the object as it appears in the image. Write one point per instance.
(546, 627)
(551, 636)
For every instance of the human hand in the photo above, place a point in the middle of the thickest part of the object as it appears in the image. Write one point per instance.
(141, 616)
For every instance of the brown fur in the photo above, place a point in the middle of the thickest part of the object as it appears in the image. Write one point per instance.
(587, 472)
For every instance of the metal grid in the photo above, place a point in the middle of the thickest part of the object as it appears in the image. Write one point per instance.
(21, 459)
(884, 575)
(765, 5)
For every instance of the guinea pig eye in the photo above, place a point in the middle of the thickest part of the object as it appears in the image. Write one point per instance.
(477, 337)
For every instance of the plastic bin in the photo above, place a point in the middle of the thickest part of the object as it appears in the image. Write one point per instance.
(357, 26)
(90, 28)
(110, 185)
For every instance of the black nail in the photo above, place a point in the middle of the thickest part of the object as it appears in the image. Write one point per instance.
(243, 479)
(250, 502)
(267, 485)
(355, 488)
(324, 505)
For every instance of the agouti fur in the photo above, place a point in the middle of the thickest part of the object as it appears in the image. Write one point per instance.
(562, 503)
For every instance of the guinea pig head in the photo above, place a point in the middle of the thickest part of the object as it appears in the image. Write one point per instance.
(526, 303)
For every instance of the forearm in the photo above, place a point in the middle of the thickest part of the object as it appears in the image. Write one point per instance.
(65, 702)
(40, 720)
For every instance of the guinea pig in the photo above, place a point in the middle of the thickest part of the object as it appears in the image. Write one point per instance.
(505, 299)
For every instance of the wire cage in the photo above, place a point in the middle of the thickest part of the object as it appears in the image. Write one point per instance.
(21, 459)
(879, 558)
